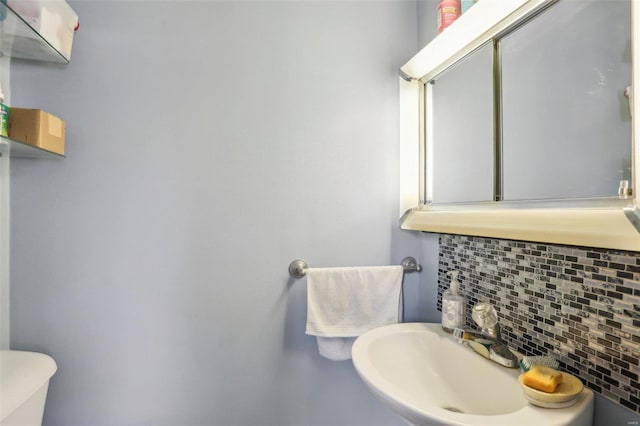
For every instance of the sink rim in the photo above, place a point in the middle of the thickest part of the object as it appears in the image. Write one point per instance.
(392, 395)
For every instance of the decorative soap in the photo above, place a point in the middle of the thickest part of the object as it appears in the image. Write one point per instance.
(545, 379)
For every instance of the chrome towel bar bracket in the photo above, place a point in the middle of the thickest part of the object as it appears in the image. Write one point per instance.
(298, 268)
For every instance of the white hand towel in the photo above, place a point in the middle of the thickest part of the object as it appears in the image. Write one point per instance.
(343, 303)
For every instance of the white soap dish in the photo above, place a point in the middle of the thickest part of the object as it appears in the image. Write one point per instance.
(546, 404)
(565, 395)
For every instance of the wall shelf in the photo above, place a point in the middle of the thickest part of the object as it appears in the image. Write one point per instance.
(16, 149)
(19, 40)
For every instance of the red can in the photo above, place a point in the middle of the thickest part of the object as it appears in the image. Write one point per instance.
(448, 11)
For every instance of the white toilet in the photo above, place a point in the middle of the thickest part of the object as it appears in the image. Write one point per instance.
(24, 381)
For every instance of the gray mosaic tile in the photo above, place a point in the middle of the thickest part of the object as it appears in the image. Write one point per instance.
(579, 304)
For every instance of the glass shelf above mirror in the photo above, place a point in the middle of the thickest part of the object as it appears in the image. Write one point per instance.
(19, 40)
(16, 149)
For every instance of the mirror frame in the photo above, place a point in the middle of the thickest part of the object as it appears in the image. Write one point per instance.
(604, 223)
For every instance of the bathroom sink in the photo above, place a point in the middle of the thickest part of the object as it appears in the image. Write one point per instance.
(428, 378)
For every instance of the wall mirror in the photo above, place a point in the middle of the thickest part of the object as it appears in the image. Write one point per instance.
(516, 121)
(575, 58)
(463, 129)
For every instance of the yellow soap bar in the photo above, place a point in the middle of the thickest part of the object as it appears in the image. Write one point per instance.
(545, 379)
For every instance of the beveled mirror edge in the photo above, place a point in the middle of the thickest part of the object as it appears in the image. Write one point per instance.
(594, 225)
(635, 78)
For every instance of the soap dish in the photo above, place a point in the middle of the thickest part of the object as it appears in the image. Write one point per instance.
(544, 404)
(566, 391)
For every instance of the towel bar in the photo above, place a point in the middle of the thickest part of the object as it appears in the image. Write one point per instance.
(298, 268)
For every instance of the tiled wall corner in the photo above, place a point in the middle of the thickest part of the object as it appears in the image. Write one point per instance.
(580, 304)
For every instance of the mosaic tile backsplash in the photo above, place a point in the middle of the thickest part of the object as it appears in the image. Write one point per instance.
(579, 304)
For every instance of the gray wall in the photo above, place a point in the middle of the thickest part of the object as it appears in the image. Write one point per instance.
(606, 412)
(209, 144)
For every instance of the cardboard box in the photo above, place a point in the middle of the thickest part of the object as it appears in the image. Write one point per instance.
(37, 127)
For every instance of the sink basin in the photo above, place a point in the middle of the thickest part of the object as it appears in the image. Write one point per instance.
(428, 378)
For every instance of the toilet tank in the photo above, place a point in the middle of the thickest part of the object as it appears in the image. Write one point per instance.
(24, 381)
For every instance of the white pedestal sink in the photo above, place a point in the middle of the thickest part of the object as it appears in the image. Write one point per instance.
(428, 378)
